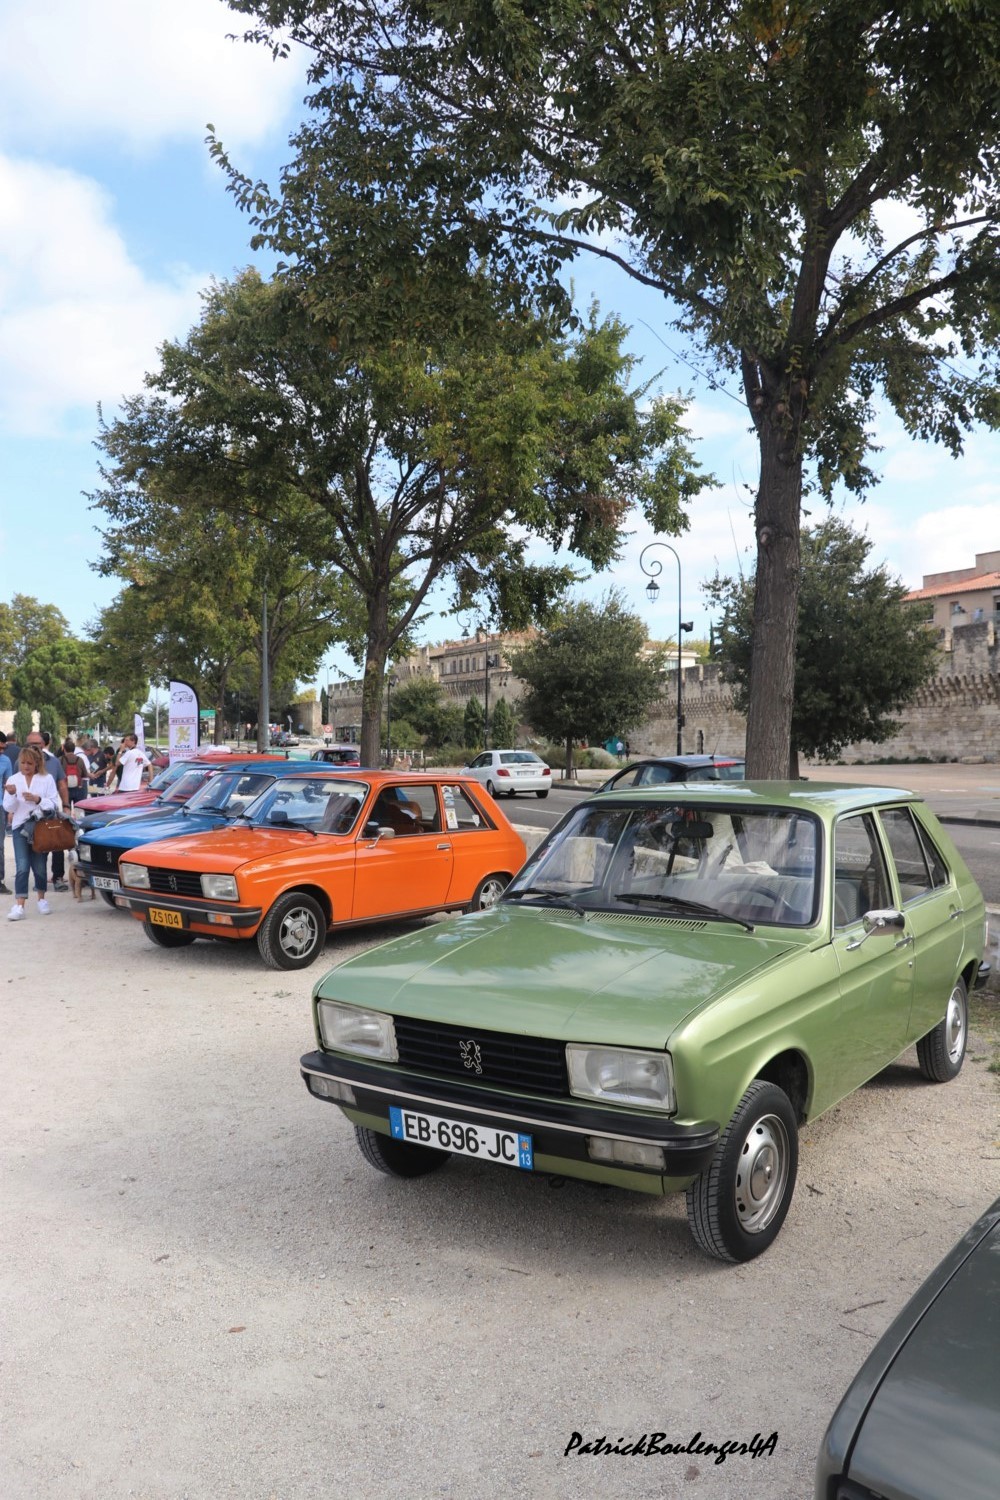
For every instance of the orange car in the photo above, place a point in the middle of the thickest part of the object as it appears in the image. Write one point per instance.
(325, 848)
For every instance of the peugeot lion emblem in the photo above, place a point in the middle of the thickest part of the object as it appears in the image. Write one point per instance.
(471, 1056)
(172, 882)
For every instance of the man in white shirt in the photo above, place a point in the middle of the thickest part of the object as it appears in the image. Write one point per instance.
(132, 765)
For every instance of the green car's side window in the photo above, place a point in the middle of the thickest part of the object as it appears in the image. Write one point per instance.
(860, 879)
(918, 864)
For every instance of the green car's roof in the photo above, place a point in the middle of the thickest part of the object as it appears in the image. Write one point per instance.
(825, 798)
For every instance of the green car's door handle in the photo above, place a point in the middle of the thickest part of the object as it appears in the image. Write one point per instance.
(958, 912)
(903, 941)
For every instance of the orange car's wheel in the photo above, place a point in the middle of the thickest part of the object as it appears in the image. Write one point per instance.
(488, 892)
(293, 932)
(168, 937)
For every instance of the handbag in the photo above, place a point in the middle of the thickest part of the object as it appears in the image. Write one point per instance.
(53, 833)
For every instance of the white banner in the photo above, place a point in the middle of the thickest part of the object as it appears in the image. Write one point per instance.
(183, 729)
(140, 731)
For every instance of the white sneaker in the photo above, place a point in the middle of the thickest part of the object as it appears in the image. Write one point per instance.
(16, 913)
(44, 907)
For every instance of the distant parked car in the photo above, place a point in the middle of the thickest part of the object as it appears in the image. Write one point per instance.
(504, 773)
(338, 755)
(283, 740)
(922, 1416)
(656, 770)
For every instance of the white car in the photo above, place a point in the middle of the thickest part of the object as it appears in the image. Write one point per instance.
(507, 772)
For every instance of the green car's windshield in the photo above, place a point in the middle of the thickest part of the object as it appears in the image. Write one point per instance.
(751, 865)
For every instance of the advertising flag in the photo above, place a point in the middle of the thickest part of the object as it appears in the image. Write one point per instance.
(183, 730)
(140, 731)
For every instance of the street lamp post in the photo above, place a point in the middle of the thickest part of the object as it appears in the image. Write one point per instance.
(653, 572)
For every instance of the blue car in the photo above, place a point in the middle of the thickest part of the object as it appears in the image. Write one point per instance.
(225, 795)
(173, 796)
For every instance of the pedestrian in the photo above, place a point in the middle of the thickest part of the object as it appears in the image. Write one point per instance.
(6, 771)
(101, 762)
(132, 765)
(76, 768)
(31, 791)
(53, 765)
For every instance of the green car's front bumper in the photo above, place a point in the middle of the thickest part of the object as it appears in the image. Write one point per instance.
(561, 1129)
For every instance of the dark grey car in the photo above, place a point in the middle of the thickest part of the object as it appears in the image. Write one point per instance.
(921, 1419)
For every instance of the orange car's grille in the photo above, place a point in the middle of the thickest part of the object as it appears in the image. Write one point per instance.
(531, 1065)
(174, 882)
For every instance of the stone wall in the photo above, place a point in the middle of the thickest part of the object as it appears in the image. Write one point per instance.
(956, 715)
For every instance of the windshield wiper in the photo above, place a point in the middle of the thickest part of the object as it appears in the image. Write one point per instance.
(545, 897)
(293, 823)
(636, 898)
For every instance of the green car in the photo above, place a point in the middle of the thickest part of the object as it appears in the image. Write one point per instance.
(676, 981)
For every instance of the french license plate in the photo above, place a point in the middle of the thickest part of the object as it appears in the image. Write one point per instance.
(507, 1147)
(105, 883)
(165, 918)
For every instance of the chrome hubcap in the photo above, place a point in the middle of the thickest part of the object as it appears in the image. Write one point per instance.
(761, 1174)
(954, 1026)
(298, 933)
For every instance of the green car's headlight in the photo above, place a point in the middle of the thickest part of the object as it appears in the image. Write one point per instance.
(621, 1075)
(137, 875)
(348, 1028)
(219, 887)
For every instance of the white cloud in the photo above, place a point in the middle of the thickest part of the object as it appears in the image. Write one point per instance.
(137, 72)
(79, 321)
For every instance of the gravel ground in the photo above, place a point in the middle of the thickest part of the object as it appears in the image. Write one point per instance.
(206, 1293)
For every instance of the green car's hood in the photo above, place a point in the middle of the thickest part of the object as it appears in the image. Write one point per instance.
(548, 972)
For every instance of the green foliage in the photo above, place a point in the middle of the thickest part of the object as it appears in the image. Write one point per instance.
(62, 673)
(811, 186)
(503, 726)
(49, 719)
(23, 723)
(24, 626)
(585, 677)
(861, 654)
(473, 725)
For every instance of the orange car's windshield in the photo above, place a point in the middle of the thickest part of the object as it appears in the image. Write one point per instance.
(322, 804)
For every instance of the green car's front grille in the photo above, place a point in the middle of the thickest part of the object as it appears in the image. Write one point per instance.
(531, 1065)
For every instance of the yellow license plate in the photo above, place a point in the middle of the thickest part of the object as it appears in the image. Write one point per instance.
(165, 918)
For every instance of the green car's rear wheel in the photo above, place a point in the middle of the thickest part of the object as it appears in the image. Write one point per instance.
(941, 1052)
(738, 1204)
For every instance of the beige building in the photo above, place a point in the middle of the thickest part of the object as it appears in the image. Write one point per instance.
(963, 596)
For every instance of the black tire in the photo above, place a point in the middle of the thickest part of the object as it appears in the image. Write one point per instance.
(488, 892)
(397, 1158)
(292, 934)
(941, 1052)
(107, 897)
(542, 795)
(491, 789)
(738, 1204)
(167, 937)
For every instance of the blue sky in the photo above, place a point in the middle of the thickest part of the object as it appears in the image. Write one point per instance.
(113, 219)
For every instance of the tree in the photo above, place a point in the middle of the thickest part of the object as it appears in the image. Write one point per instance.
(812, 187)
(473, 725)
(25, 624)
(23, 724)
(586, 677)
(61, 675)
(194, 601)
(422, 462)
(502, 726)
(861, 653)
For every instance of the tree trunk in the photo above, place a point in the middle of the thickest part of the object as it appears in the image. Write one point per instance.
(776, 597)
(372, 687)
(570, 771)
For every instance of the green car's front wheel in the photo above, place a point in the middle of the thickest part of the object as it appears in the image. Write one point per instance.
(397, 1158)
(738, 1204)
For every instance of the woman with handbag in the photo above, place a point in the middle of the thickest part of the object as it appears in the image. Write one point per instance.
(31, 791)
